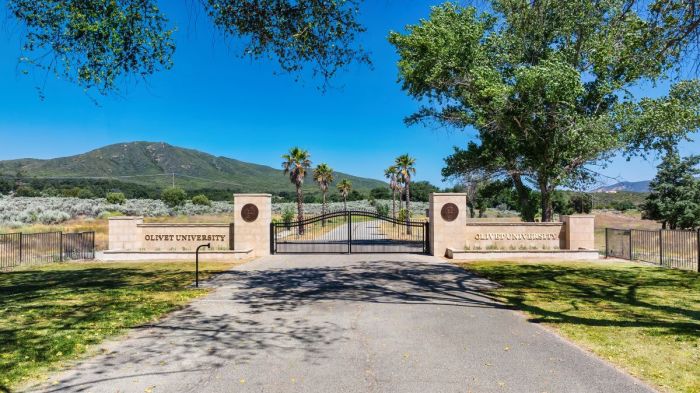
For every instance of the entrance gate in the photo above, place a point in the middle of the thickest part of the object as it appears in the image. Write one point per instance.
(353, 231)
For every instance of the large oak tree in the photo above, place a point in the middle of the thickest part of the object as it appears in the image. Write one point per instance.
(547, 85)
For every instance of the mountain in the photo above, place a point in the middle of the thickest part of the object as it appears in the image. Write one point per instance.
(630, 186)
(151, 164)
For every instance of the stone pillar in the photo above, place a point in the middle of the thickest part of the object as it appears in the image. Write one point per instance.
(250, 230)
(448, 222)
(580, 232)
(124, 233)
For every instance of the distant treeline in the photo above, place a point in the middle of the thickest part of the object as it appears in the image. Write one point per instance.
(98, 188)
(502, 197)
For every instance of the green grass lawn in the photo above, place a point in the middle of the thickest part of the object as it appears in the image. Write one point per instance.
(645, 319)
(52, 313)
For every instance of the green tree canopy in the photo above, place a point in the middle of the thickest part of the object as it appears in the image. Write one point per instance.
(97, 43)
(674, 199)
(546, 84)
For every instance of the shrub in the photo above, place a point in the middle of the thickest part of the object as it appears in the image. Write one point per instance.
(382, 209)
(623, 205)
(201, 200)
(288, 216)
(404, 215)
(25, 191)
(84, 193)
(173, 196)
(52, 217)
(116, 198)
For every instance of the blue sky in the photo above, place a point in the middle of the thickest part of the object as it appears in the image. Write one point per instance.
(216, 102)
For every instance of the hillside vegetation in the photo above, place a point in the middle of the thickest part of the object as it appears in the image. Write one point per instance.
(150, 165)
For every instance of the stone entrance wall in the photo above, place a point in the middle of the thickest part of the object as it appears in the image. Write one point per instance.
(451, 230)
(132, 239)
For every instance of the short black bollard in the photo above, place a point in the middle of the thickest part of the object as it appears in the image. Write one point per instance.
(196, 264)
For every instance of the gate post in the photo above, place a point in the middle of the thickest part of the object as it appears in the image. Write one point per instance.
(349, 220)
(252, 216)
(447, 222)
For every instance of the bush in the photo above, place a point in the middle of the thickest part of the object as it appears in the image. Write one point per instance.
(623, 205)
(25, 191)
(52, 217)
(382, 209)
(201, 200)
(85, 194)
(173, 196)
(404, 215)
(288, 216)
(116, 198)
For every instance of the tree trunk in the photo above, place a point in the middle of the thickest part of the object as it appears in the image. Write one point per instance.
(546, 203)
(408, 207)
(471, 210)
(345, 202)
(526, 211)
(300, 208)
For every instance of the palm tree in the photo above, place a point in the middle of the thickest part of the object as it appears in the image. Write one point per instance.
(391, 173)
(295, 164)
(344, 187)
(405, 166)
(323, 175)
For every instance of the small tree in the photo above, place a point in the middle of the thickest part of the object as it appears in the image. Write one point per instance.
(173, 196)
(116, 198)
(201, 200)
(288, 217)
(344, 187)
(582, 203)
(675, 193)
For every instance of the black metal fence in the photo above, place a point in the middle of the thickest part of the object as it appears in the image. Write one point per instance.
(18, 249)
(671, 248)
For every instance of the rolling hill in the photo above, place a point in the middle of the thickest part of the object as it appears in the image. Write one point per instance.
(151, 164)
(630, 186)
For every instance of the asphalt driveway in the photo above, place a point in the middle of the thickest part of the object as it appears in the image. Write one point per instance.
(344, 323)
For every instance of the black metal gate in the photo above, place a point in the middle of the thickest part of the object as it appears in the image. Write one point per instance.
(618, 243)
(353, 231)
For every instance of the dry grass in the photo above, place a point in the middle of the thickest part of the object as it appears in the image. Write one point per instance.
(629, 220)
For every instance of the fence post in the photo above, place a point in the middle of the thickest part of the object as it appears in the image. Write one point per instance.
(630, 239)
(661, 247)
(349, 233)
(606, 242)
(20, 247)
(60, 247)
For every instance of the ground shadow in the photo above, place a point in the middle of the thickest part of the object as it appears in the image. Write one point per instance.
(253, 313)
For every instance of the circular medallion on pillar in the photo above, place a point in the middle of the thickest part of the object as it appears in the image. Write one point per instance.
(449, 212)
(249, 213)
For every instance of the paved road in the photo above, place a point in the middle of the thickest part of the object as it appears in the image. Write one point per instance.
(344, 323)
